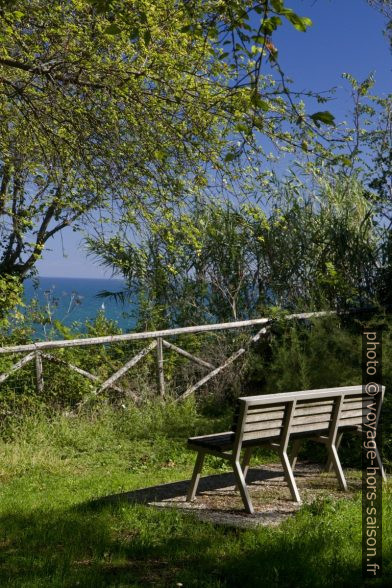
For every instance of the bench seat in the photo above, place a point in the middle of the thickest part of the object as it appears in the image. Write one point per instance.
(219, 441)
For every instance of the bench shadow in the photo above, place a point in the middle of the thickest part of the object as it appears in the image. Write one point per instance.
(172, 490)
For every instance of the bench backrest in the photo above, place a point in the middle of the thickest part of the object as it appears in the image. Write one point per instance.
(308, 411)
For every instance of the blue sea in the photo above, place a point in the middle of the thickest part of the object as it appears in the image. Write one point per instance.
(75, 300)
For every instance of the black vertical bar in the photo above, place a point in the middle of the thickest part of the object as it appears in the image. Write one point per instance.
(371, 440)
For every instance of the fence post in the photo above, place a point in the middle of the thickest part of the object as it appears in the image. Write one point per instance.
(160, 373)
(39, 376)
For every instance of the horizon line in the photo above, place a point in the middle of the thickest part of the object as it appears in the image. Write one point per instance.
(75, 278)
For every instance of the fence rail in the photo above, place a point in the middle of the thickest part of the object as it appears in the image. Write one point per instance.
(36, 351)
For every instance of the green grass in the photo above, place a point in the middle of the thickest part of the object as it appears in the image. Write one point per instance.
(51, 534)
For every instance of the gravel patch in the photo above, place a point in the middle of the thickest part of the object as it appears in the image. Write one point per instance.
(219, 502)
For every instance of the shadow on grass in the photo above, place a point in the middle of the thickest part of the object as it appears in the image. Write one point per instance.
(173, 490)
(139, 546)
(118, 541)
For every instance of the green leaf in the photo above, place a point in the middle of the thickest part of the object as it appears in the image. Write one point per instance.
(143, 17)
(259, 103)
(259, 123)
(230, 156)
(147, 38)
(277, 5)
(113, 29)
(101, 6)
(298, 22)
(134, 34)
(269, 25)
(258, 39)
(323, 116)
(242, 127)
(345, 160)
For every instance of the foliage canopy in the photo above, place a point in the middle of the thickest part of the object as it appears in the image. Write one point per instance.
(133, 101)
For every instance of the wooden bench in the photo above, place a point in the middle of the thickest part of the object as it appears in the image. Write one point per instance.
(275, 419)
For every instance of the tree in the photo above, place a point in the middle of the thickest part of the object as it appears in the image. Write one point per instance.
(385, 7)
(371, 161)
(105, 103)
(193, 267)
(87, 112)
(316, 248)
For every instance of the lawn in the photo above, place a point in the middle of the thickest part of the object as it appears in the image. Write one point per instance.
(54, 531)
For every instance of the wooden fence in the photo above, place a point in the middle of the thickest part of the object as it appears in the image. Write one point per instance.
(37, 352)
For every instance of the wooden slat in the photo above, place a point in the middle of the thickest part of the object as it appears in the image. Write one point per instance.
(353, 405)
(303, 395)
(217, 370)
(86, 374)
(160, 372)
(266, 416)
(154, 334)
(351, 421)
(126, 367)
(265, 409)
(72, 367)
(212, 374)
(313, 403)
(304, 410)
(188, 355)
(311, 418)
(353, 413)
(310, 427)
(253, 435)
(19, 364)
(212, 435)
(353, 400)
(273, 424)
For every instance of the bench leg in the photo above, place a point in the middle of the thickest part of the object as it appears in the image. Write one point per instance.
(294, 454)
(329, 464)
(241, 484)
(246, 460)
(289, 476)
(245, 464)
(333, 456)
(195, 476)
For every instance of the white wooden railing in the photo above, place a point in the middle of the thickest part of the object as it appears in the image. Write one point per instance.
(37, 352)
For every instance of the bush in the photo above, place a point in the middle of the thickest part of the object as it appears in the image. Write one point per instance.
(324, 352)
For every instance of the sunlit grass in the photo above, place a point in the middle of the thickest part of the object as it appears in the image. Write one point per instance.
(52, 535)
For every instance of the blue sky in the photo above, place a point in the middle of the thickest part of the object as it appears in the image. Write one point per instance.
(346, 36)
